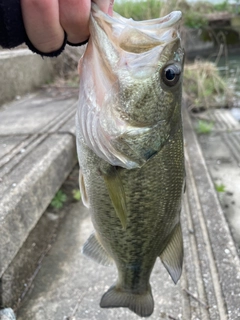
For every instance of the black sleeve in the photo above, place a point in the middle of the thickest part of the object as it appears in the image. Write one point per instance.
(12, 31)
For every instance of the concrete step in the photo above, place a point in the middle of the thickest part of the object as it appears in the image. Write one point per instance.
(69, 286)
(221, 149)
(37, 152)
(215, 273)
(21, 72)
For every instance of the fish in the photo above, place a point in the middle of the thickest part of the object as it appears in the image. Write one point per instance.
(130, 151)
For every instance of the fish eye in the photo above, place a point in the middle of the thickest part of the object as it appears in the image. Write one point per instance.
(171, 75)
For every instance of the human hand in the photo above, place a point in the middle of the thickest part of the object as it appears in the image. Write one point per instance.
(46, 20)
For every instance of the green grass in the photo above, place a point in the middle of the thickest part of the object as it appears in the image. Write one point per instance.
(194, 20)
(59, 199)
(204, 127)
(220, 187)
(139, 10)
(76, 194)
(204, 87)
(223, 6)
(193, 14)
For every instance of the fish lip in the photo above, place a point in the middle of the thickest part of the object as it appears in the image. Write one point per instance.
(173, 18)
(125, 32)
(166, 21)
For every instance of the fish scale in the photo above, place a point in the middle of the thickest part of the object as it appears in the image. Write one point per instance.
(132, 169)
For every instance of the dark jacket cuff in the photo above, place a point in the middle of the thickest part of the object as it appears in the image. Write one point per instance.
(77, 44)
(12, 31)
(48, 54)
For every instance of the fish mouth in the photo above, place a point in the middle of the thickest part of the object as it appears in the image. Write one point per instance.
(139, 36)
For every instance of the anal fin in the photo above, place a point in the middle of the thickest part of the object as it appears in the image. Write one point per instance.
(172, 256)
(93, 249)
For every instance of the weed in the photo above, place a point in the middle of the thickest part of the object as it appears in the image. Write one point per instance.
(138, 10)
(194, 20)
(223, 6)
(194, 13)
(59, 199)
(220, 187)
(204, 87)
(76, 194)
(204, 127)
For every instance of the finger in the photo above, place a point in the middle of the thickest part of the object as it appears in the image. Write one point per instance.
(41, 21)
(74, 18)
(105, 5)
(110, 8)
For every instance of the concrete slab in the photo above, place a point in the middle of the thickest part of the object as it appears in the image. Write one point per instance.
(8, 144)
(29, 72)
(19, 275)
(35, 159)
(218, 259)
(221, 149)
(69, 286)
(39, 115)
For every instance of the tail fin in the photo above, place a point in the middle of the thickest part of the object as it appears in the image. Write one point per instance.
(141, 304)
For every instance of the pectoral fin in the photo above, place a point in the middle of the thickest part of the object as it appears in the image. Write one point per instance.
(172, 256)
(117, 195)
(83, 191)
(93, 249)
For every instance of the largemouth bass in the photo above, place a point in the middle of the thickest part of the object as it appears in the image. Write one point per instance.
(130, 149)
